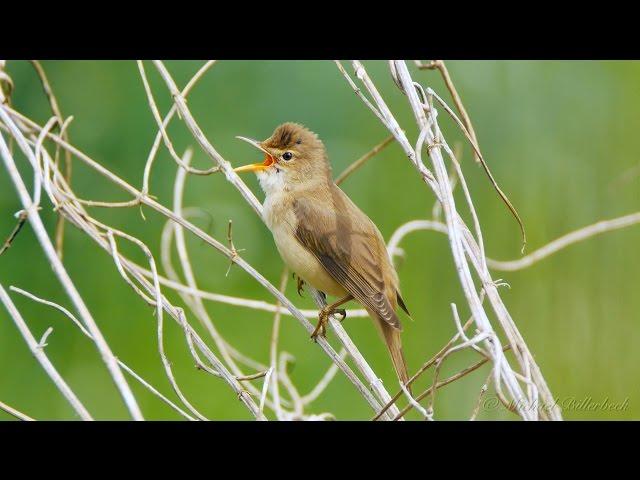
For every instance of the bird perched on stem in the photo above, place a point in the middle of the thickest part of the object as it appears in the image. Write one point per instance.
(323, 236)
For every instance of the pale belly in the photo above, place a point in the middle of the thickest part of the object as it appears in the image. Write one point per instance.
(304, 264)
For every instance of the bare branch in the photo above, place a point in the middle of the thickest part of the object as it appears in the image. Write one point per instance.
(22, 218)
(363, 159)
(61, 273)
(16, 413)
(124, 366)
(461, 240)
(565, 241)
(444, 72)
(55, 109)
(38, 352)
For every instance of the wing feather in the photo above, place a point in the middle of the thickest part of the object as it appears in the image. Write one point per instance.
(350, 247)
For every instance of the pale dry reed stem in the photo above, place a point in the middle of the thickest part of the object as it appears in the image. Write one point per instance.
(55, 109)
(455, 237)
(485, 167)
(460, 239)
(233, 178)
(428, 364)
(565, 241)
(444, 72)
(58, 268)
(296, 399)
(273, 348)
(532, 258)
(80, 218)
(199, 135)
(15, 413)
(324, 382)
(195, 303)
(124, 366)
(165, 122)
(37, 349)
(165, 136)
(445, 382)
(218, 246)
(157, 303)
(518, 387)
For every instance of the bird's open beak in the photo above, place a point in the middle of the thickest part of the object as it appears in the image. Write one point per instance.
(254, 167)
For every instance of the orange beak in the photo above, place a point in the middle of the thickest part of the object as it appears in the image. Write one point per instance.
(255, 167)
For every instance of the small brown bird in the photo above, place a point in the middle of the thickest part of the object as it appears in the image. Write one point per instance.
(323, 236)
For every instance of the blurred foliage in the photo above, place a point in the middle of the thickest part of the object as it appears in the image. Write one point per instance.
(559, 137)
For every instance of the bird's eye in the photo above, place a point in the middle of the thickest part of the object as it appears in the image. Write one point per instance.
(287, 156)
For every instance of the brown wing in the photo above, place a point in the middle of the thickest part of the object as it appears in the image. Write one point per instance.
(351, 249)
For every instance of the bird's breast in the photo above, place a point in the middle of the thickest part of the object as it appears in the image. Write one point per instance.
(281, 220)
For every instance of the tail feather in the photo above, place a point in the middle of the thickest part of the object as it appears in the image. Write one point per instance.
(392, 339)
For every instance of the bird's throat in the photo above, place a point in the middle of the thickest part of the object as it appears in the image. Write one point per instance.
(272, 181)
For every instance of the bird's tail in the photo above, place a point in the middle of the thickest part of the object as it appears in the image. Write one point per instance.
(392, 338)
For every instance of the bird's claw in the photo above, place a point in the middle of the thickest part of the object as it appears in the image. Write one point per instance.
(300, 285)
(323, 319)
(342, 312)
(321, 329)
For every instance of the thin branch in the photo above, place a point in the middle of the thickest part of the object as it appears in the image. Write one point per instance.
(55, 109)
(38, 351)
(159, 121)
(126, 368)
(22, 218)
(325, 381)
(485, 167)
(363, 159)
(460, 238)
(195, 303)
(198, 134)
(239, 301)
(298, 405)
(565, 241)
(483, 391)
(165, 122)
(428, 364)
(58, 268)
(444, 72)
(233, 178)
(15, 413)
(80, 218)
(273, 348)
(445, 382)
(541, 253)
(157, 302)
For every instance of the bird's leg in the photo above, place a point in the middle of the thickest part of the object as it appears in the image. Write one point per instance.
(323, 316)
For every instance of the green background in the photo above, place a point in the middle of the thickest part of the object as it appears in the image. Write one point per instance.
(561, 138)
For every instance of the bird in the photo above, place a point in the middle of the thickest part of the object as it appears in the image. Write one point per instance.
(323, 237)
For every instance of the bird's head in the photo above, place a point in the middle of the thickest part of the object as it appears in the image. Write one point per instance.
(294, 157)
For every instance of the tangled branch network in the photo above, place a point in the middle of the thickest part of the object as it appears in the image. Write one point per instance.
(265, 388)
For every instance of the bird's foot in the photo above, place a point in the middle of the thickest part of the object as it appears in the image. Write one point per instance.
(321, 327)
(300, 285)
(323, 319)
